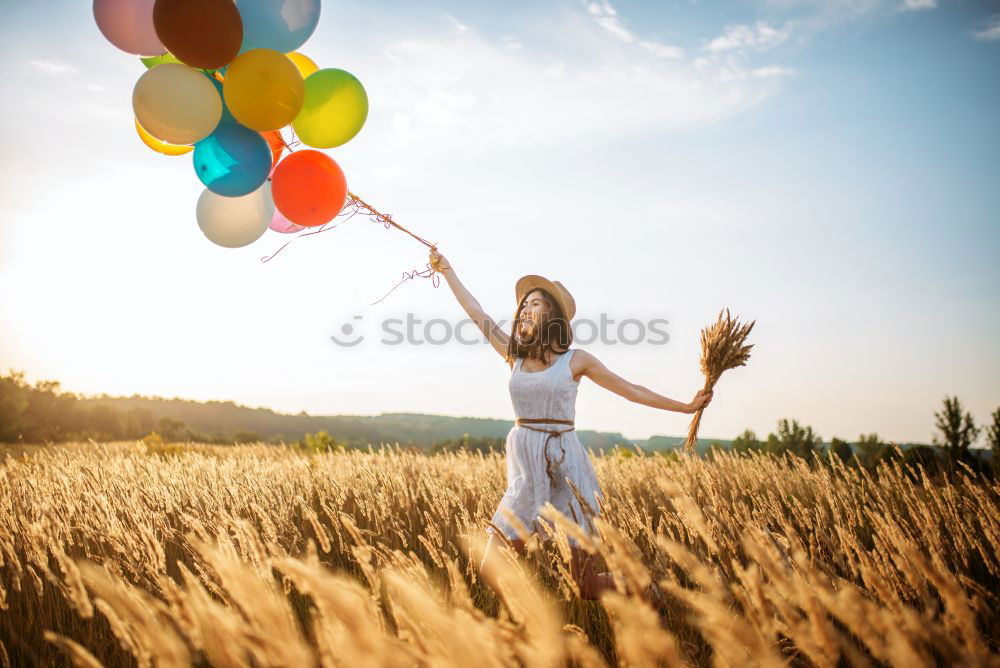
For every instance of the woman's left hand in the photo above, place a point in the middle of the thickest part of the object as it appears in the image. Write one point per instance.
(700, 401)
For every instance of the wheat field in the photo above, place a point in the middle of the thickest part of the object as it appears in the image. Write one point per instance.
(124, 554)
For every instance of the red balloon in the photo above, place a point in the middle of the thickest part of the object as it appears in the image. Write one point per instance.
(277, 145)
(199, 33)
(309, 188)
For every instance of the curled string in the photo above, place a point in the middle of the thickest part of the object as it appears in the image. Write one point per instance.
(429, 272)
(354, 206)
(431, 268)
(325, 227)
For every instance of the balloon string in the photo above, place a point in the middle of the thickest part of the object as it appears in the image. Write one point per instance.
(431, 270)
(357, 205)
(324, 228)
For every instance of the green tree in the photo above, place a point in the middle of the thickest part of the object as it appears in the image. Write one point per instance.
(13, 404)
(793, 438)
(321, 441)
(746, 442)
(958, 431)
(870, 447)
(993, 438)
(136, 422)
(842, 450)
(921, 455)
(171, 430)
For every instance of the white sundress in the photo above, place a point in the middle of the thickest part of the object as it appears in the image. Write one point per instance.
(549, 394)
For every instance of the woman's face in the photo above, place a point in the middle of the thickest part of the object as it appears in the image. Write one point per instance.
(535, 308)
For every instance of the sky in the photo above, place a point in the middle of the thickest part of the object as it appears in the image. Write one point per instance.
(825, 168)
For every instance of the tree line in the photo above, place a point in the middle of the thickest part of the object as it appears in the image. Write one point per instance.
(43, 413)
(956, 432)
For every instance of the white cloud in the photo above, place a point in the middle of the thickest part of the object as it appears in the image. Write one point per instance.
(511, 42)
(759, 37)
(471, 91)
(772, 71)
(991, 32)
(917, 5)
(459, 26)
(662, 50)
(606, 16)
(54, 68)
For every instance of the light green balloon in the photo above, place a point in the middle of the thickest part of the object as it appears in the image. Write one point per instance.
(334, 111)
(153, 61)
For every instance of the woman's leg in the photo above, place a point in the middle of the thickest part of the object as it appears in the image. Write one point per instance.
(590, 582)
(488, 570)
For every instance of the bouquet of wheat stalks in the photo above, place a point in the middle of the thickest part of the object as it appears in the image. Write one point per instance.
(722, 348)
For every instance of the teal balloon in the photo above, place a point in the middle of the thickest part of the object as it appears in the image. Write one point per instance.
(227, 117)
(282, 25)
(232, 161)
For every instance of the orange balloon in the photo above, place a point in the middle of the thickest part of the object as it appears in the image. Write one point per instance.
(309, 188)
(276, 143)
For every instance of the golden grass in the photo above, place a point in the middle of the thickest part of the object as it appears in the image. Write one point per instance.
(122, 554)
(723, 347)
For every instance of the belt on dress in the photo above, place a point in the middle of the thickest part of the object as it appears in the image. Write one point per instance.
(552, 433)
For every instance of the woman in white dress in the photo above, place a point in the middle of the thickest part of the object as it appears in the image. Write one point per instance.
(545, 459)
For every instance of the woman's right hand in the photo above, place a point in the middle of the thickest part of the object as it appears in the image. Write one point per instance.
(438, 262)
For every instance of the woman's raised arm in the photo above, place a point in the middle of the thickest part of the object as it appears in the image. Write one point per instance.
(592, 367)
(496, 336)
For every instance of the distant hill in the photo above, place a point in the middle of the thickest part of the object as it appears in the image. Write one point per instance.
(223, 418)
(42, 413)
(218, 418)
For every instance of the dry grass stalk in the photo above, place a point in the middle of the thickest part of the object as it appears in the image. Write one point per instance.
(216, 555)
(722, 348)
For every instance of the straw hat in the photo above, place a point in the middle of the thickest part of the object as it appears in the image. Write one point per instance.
(526, 284)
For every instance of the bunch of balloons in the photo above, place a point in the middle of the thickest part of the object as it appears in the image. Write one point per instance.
(224, 78)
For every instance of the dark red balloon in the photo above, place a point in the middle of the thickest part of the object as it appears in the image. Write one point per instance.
(200, 33)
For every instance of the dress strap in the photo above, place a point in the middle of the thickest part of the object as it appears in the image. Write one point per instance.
(564, 360)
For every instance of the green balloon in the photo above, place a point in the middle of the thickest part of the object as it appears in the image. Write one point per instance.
(334, 111)
(153, 61)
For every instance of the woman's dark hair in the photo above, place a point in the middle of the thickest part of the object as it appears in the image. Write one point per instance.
(553, 334)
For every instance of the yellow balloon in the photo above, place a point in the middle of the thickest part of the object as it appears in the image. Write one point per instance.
(176, 103)
(334, 111)
(304, 63)
(263, 89)
(160, 146)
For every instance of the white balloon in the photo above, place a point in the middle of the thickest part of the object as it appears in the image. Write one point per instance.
(234, 222)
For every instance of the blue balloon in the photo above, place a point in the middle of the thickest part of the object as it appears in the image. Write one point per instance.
(227, 117)
(282, 25)
(232, 161)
